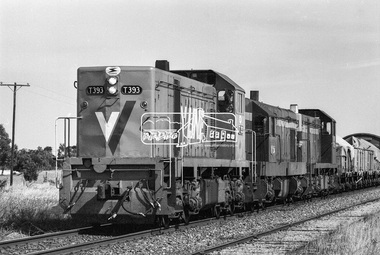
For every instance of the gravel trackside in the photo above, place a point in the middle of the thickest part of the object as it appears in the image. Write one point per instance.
(294, 240)
(185, 241)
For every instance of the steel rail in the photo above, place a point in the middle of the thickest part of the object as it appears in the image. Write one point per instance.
(107, 241)
(71, 249)
(36, 238)
(91, 245)
(277, 229)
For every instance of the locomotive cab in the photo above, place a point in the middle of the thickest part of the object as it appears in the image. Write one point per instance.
(324, 171)
(230, 99)
(328, 135)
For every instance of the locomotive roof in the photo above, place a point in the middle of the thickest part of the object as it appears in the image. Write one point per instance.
(212, 77)
(226, 78)
(317, 113)
(216, 79)
(275, 111)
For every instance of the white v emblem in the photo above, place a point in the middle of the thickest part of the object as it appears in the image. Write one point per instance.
(107, 127)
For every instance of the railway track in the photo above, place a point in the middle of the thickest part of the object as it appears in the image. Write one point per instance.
(104, 241)
(83, 246)
(22, 242)
(256, 237)
(76, 248)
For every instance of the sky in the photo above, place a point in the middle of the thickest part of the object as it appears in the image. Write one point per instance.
(314, 53)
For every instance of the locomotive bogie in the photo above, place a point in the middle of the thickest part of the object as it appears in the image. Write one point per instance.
(295, 186)
(281, 187)
(124, 188)
(259, 192)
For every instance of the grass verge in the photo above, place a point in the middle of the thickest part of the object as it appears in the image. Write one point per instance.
(361, 237)
(32, 209)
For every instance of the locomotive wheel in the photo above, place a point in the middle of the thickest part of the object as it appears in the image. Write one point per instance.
(251, 207)
(231, 208)
(164, 221)
(255, 207)
(186, 215)
(261, 206)
(244, 207)
(217, 211)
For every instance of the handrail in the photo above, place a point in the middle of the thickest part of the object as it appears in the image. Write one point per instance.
(170, 167)
(55, 142)
(253, 159)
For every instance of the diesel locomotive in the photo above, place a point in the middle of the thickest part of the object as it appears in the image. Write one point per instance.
(155, 144)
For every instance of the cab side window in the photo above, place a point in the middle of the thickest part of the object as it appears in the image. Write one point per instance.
(226, 101)
(239, 103)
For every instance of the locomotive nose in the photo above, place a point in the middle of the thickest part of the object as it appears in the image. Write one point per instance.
(111, 101)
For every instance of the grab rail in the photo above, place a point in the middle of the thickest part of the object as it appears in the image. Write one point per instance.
(253, 159)
(66, 136)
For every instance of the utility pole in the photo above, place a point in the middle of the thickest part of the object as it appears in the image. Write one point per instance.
(15, 88)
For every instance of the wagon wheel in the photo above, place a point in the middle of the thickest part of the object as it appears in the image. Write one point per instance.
(217, 211)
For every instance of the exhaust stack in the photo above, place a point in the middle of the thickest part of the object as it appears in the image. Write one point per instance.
(254, 95)
(294, 108)
(162, 64)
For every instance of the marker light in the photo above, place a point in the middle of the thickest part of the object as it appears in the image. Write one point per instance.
(144, 104)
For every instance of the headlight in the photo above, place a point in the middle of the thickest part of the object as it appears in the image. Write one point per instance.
(112, 85)
(112, 80)
(112, 90)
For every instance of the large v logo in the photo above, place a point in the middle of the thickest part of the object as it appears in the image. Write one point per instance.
(107, 127)
(113, 128)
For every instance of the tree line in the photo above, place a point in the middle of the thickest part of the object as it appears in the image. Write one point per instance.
(27, 161)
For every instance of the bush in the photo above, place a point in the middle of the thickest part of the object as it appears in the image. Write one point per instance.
(28, 165)
(31, 174)
(3, 183)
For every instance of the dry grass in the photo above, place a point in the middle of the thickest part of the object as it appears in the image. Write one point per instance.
(31, 209)
(22, 205)
(362, 237)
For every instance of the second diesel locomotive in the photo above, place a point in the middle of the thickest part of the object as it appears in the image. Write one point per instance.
(155, 144)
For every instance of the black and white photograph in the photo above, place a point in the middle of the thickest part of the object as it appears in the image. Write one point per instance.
(189, 127)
